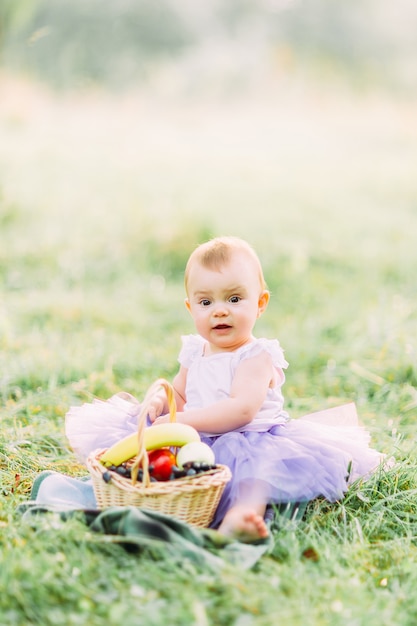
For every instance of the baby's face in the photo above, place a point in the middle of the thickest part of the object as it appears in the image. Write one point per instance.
(226, 303)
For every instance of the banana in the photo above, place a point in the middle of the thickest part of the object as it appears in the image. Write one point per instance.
(121, 451)
(171, 434)
(158, 436)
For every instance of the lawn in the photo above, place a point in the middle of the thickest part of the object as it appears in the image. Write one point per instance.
(102, 197)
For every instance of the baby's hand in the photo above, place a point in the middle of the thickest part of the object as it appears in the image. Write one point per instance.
(156, 406)
(162, 419)
(165, 419)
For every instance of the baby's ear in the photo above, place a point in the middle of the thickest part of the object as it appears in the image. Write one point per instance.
(187, 304)
(263, 302)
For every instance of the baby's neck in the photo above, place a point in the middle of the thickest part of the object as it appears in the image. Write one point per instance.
(210, 349)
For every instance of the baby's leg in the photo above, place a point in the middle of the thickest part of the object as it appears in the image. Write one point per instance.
(245, 523)
(245, 518)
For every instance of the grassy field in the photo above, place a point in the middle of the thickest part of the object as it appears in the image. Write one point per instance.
(101, 200)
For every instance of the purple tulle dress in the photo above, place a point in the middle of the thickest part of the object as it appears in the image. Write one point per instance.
(287, 460)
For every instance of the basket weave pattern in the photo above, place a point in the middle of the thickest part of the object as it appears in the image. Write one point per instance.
(191, 499)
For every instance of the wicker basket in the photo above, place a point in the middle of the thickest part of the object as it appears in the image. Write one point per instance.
(191, 499)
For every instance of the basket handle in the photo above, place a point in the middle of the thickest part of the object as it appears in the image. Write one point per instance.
(142, 457)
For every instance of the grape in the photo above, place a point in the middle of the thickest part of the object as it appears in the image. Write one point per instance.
(192, 468)
(107, 477)
(177, 472)
(123, 470)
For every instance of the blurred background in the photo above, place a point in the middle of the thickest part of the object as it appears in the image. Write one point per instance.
(130, 131)
(245, 116)
(79, 43)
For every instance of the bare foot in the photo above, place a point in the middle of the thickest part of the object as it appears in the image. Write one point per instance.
(243, 523)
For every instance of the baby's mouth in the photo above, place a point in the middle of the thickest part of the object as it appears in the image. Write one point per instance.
(222, 326)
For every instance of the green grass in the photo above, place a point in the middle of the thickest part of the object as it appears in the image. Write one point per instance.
(102, 199)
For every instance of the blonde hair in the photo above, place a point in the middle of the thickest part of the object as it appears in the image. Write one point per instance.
(216, 253)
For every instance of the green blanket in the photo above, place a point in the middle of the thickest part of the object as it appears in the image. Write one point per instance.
(154, 533)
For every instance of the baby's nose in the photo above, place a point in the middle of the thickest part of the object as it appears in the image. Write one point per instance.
(220, 310)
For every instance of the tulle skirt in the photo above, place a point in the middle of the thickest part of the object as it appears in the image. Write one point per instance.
(292, 462)
(101, 423)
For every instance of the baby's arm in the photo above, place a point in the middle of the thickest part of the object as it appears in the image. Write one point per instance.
(158, 405)
(249, 387)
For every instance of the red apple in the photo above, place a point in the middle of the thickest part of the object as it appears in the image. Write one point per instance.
(160, 463)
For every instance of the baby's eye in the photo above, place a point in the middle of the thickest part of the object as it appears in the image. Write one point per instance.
(235, 299)
(205, 302)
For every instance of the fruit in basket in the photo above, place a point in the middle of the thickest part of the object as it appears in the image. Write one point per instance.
(161, 463)
(168, 435)
(155, 437)
(195, 451)
(192, 468)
